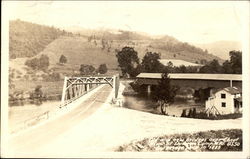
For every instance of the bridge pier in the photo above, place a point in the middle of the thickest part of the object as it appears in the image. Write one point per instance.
(149, 89)
(87, 87)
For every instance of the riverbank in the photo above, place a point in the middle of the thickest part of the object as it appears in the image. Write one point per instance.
(23, 89)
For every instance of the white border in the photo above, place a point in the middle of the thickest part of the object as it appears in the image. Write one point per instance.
(246, 87)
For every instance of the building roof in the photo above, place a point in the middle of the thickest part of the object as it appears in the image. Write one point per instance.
(233, 90)
(178, 63)
(198, 76)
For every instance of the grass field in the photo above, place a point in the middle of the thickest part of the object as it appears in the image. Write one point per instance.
(78, 51)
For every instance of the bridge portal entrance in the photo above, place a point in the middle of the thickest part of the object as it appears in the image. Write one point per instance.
(75, 87)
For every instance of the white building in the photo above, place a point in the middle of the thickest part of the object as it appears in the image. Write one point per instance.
(225, 101)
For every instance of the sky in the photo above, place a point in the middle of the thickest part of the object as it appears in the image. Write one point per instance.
(193, 21)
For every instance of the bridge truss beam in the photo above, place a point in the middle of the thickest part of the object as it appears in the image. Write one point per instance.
(75, 87)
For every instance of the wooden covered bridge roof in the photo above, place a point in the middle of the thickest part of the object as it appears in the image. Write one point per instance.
(193, 76)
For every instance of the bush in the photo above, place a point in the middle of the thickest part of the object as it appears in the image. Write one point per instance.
(52, 77)
(102, 69)
(190, 113)
(203, 115)
(63, 59)
(194, 113)
(37, 93)
(87, 69)
(184, 113)
(41, 63)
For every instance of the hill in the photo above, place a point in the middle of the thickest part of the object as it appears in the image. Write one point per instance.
(93, 46)
(168, 46)
(28, 39)
(78, 51)
(221, 48)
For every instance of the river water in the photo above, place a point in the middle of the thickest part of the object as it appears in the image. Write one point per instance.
(145, 103)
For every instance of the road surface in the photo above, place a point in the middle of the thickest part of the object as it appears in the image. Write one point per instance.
(33, 139)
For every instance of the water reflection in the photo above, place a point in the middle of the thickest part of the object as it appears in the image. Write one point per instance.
(37, 102)
(141, 102)
(144, 102)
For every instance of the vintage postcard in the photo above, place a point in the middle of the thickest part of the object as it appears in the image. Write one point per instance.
(125, 79)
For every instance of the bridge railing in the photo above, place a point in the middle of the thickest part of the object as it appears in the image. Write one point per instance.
(30, 122)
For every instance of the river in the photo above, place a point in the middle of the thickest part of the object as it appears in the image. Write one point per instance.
(145, 103)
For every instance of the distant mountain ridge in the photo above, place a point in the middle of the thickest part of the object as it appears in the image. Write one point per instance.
(221, 48)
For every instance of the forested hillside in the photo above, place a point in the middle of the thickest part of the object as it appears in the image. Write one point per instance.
(28, 39)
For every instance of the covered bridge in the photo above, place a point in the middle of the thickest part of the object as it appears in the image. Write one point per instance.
(193, 80)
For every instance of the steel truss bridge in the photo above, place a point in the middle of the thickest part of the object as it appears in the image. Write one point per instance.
(75, 87)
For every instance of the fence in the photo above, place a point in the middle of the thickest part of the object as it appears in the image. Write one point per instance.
(30, 122)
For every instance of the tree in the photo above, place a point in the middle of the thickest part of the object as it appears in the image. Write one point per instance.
(182, 69)
(151, 64)
(170, 67)
(190, 113)
(203, 61)
(37, 93)
(164, 93)
(127, 60)
(212, 67)
(33, 63)
(41, 63)
(183, 114)
(44, 62)
(194, 113)
(206, 51)
(63, 59)
(87, 69)
(103, 44)
(102, 69)
(11, 76)
(227, 68)
(236, 61)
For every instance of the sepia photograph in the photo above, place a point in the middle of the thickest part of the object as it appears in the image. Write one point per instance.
(125, 79)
